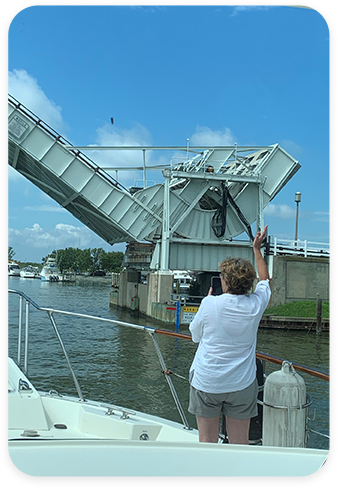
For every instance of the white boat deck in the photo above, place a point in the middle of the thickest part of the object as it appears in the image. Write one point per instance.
(54, 435)
(52, 416)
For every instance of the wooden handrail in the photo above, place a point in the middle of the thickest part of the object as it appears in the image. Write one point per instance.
(298, 367)
(179, 335)
(259, 355)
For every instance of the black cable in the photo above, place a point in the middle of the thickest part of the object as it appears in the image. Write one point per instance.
(218, 221)
(241, 216)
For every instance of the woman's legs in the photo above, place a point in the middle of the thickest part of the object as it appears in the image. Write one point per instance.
(208, 428)
(238, 430)
(240, 403)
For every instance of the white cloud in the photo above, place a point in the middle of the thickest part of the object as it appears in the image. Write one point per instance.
(245, 8)
(31, 244)
(286, 212)
(204, 136)
(137, 136)
(321, 217)
(59, 237)
(108, 135)
(45, 208)
(282, 211)
(140, 136)
(26, 90)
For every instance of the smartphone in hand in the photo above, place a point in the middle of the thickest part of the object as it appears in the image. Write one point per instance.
(216, 285)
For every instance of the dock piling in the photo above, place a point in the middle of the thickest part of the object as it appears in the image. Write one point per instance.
(319, 315)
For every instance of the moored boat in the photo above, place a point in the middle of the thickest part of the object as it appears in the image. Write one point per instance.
(182, 280)
(30, 272)
(51, 273)
(13, 269)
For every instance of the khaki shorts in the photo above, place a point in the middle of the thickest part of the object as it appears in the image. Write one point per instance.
(240, 405)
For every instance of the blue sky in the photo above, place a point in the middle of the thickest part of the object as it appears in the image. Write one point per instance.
(216, 75)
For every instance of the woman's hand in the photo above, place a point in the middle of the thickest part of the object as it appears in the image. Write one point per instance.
(257, 243)
(262, 270)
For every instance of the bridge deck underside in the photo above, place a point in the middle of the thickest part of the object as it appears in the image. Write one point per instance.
(60, 191)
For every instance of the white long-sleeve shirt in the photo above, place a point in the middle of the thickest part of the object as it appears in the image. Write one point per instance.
(226, 328)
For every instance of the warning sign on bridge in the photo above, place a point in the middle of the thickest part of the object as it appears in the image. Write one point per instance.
(188, 314)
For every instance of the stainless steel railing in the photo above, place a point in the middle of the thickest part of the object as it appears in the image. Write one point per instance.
(29, 301)
(24, 312)
(51, 312)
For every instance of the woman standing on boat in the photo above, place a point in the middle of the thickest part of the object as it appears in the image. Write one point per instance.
(223, 372)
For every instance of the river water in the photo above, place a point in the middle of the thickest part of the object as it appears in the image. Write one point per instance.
(119, 365)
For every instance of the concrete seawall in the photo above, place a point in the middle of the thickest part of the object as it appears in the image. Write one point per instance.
(293, 278)
(162, 312)
(167, 314)
(292, 323)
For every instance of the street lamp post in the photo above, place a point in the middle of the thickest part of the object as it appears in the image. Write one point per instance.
(298, 196)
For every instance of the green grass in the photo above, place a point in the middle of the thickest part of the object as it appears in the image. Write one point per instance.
(299, 309)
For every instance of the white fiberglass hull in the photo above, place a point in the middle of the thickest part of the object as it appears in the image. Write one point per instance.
(54, 435)
(55, 277)
(28, 275)
(111, 457)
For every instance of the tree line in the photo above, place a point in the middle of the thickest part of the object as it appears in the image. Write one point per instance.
(11, 253)
(83, 260)
(87, 260)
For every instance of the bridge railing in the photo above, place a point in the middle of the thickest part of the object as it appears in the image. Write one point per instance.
(299, 247)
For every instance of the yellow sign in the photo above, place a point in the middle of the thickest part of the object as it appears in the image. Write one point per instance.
(190, 309)
(188, 314)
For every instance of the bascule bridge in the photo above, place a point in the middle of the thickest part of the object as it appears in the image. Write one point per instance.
(209, 196)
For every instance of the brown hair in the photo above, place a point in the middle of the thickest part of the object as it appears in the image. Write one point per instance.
(239, 275)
